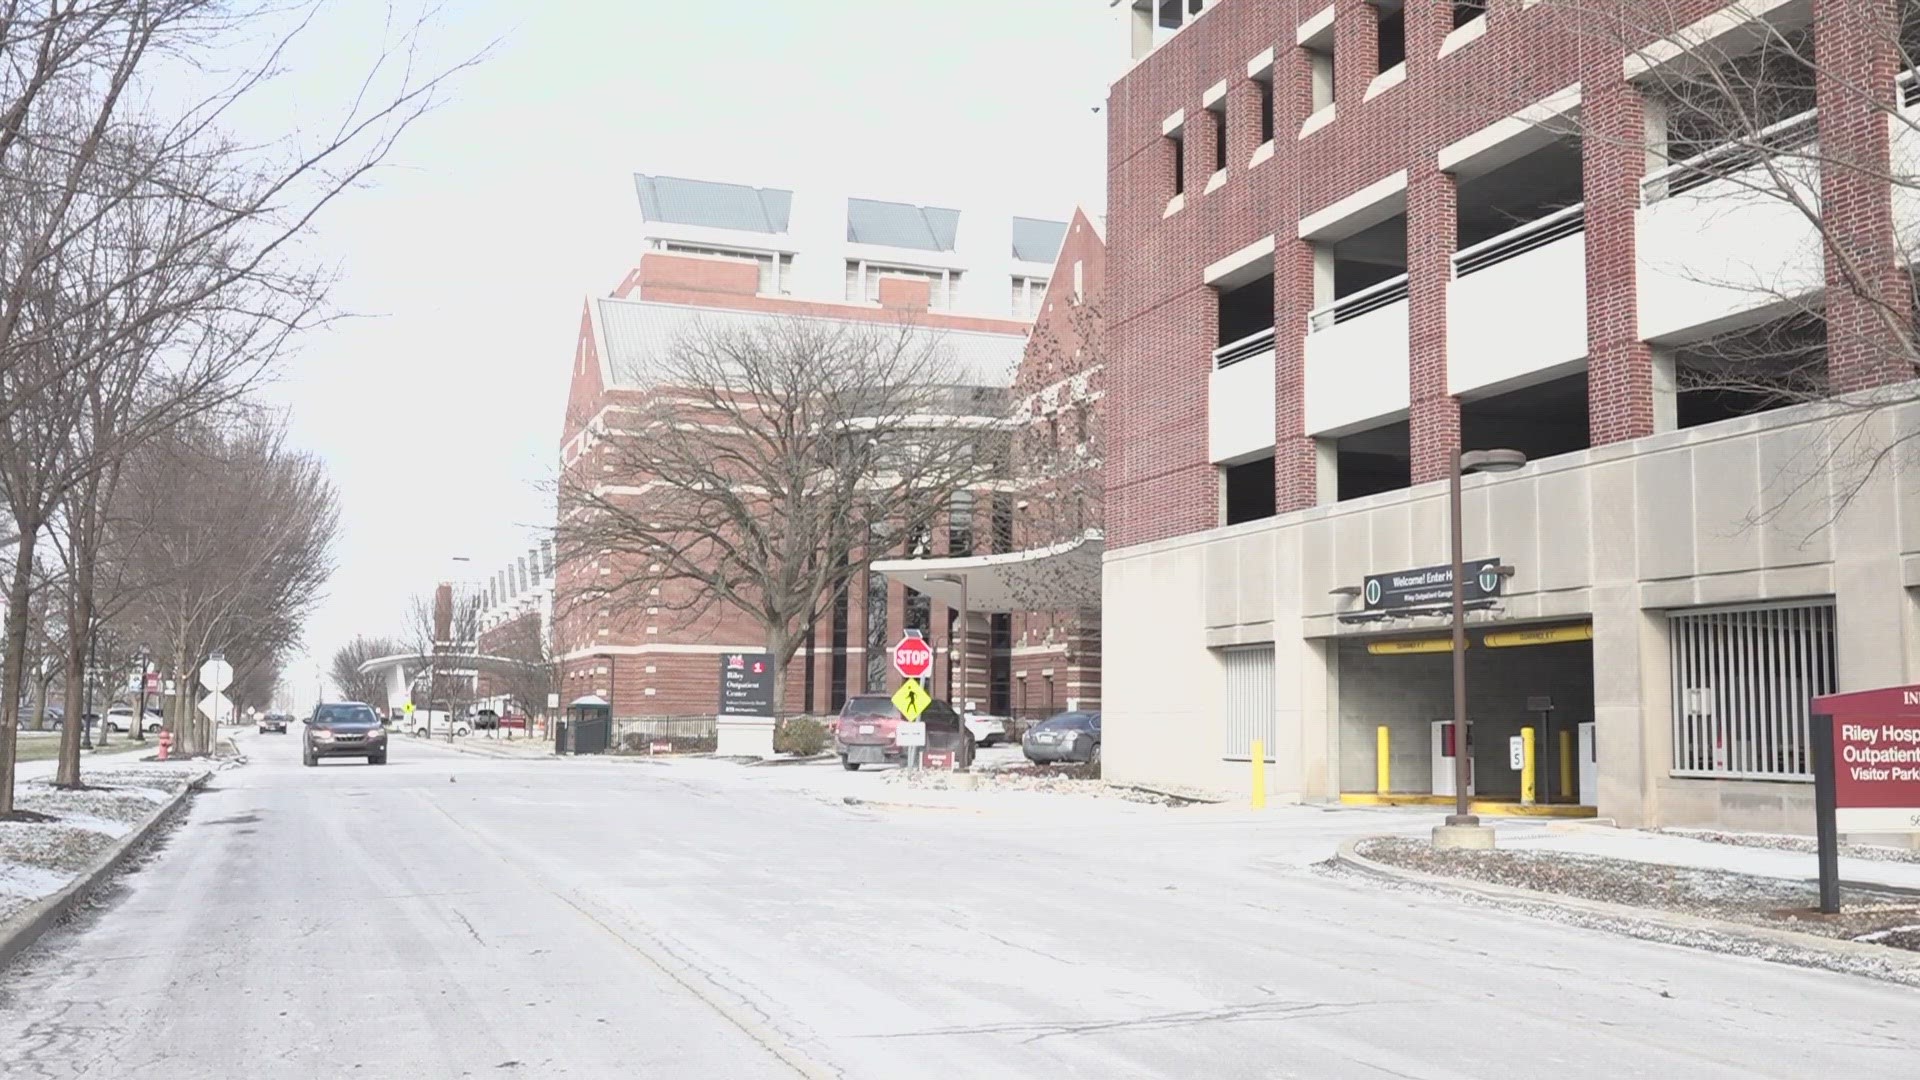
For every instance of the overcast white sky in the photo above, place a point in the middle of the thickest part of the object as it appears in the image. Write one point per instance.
(439, 413)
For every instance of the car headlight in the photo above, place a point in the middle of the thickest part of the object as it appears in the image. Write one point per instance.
(377, 733)
(323, 735)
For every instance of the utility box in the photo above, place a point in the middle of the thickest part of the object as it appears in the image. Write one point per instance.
(1443, 751)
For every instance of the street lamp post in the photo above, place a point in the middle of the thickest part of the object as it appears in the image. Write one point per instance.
(1466, 462)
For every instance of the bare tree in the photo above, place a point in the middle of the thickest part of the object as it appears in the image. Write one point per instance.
(530, 678)
(129, 237)
(758, 466)
(350, 681)
(235, 535)
(445, 627)
(1730, 121)
(1056, 481)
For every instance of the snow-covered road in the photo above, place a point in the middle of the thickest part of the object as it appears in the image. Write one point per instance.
(459, 915)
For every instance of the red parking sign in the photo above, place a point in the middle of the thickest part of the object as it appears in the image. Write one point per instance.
(913, 657)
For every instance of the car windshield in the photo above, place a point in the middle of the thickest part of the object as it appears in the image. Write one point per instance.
(345, 714)
(867, 708)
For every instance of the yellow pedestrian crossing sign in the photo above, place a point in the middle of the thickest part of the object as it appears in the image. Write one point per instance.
(407, 708)
(912, 699)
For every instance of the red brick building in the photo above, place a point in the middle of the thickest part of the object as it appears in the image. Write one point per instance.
(723, 254)
(1349, 239)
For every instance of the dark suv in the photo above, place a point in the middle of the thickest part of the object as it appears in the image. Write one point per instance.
(344, 729)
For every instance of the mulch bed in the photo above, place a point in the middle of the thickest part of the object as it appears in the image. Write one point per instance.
(1883, 918)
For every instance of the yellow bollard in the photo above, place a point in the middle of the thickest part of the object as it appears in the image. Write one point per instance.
(1566, 766)
(1526, 766)
(1382, 762)
(1259, 774)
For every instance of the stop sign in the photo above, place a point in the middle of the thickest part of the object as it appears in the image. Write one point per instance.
(913, 657)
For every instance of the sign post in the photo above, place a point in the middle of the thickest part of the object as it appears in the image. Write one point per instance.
(1866, 771)
(744, 723)
(912, 700)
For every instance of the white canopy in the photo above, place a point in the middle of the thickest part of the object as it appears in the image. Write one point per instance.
(1039, 579)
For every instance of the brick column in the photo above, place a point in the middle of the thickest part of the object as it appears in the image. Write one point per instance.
(1356, 51)
(1433, 415)
(1243, 120)
(1614, 160)
(1856, 41)
(1199, 142)
(1294, 468)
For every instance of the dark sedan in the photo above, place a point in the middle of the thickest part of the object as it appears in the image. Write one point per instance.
(275, 722)
(1070, 736)
(344, 729)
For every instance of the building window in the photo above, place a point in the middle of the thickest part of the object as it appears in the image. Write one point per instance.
(1249, 702)
(1320, 69)
(1002, 538)
(919, 613)
(1742, 680)
(1179, 144)
(1000, 664)
(1264, 83)
(776, 272)
(1392, 16)
(1249, 490)
(1217, 117)
(877, 643)
(1465, 11)
(1029, 293)
(960, 524)
(863, 282)
(837, 663)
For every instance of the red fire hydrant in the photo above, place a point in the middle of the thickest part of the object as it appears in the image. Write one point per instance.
(166, 743)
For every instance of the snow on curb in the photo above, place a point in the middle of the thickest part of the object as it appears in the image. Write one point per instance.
(1693, 931)
(22, 928)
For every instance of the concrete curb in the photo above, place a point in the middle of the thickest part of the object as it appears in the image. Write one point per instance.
(18, 932)
(1350, 856)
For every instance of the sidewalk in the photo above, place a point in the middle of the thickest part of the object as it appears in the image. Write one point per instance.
(1667, 849)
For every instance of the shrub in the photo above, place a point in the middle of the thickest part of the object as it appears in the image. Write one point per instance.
(802, 736)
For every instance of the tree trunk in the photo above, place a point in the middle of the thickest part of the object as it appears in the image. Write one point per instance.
(68, 773)
(13, 672)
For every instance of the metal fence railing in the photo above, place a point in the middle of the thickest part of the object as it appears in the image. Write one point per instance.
(664, 734)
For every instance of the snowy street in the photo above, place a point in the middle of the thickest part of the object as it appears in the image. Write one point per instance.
(455, 914)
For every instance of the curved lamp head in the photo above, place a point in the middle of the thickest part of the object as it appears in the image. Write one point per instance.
(1493, 461)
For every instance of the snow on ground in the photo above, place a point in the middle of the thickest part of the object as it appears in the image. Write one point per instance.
(39, 858)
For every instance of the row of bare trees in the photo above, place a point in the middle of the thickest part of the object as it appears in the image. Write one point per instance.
(150, 278)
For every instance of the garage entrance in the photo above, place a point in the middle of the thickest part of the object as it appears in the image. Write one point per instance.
(1535, 676)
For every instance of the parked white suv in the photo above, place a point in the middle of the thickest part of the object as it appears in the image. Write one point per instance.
(120, 718)
(986, 730)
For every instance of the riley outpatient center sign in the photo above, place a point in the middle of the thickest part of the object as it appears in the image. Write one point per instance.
(1874, 738)
(1866, 771)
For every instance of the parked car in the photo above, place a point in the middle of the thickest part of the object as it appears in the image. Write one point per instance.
(986, 730)
(120, 718)
(1070, 736)
(486, 720)
(344, 729)
(868, 728)
(275, 722)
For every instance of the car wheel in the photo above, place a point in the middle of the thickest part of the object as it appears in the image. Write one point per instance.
(1093, 756)
(306, 758)
(850, 766)
(376, 759)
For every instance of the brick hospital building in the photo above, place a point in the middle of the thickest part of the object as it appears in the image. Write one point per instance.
(1348, 239)
(721, 255)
